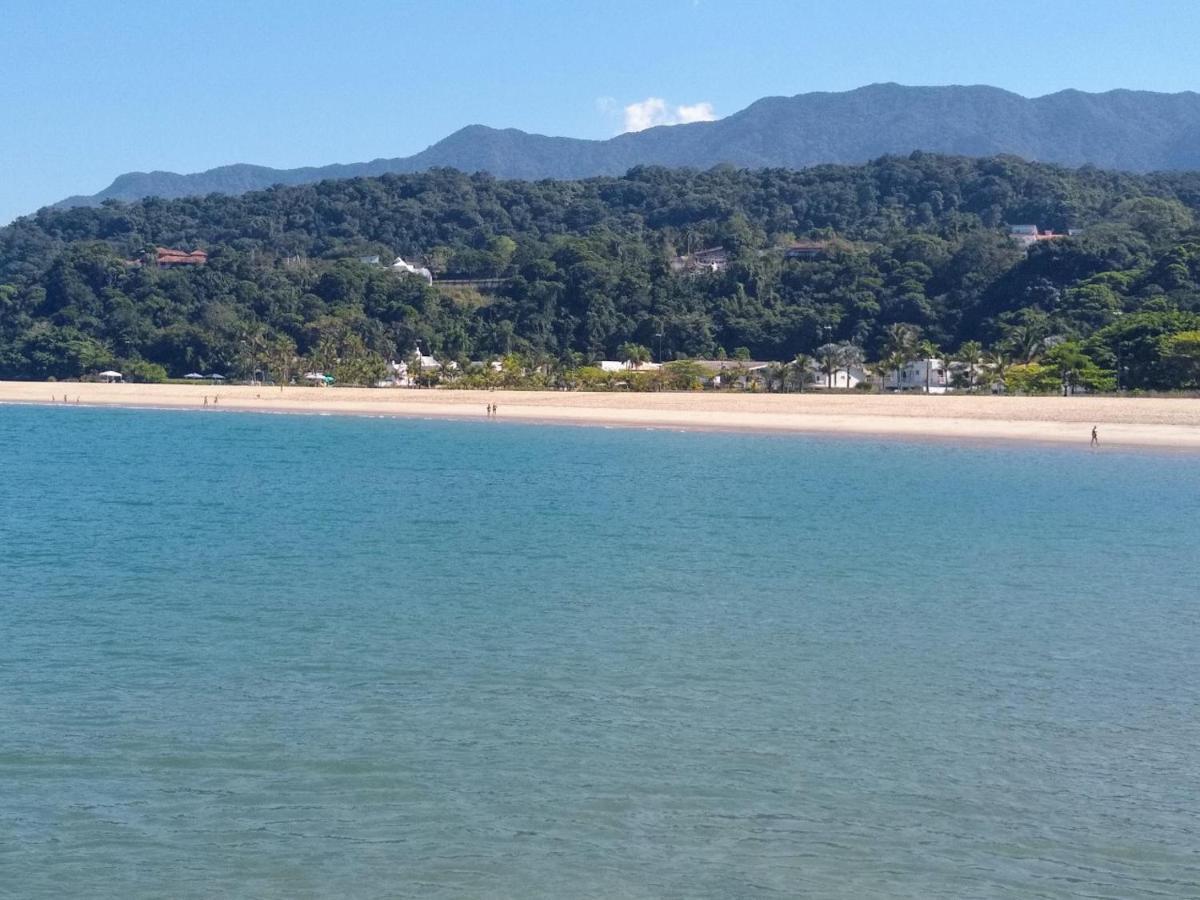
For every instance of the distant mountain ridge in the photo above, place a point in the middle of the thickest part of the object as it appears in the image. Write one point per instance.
(1138, 131)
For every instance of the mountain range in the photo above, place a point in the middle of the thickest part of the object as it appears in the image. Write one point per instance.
(1137, 131)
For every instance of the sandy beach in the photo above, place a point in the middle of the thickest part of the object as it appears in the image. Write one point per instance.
(1122, 421)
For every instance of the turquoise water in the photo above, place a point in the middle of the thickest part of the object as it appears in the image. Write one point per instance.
(274, 656)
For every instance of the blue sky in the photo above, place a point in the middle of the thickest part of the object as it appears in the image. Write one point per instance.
(91, 89)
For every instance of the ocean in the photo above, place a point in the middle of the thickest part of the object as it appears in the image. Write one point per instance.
(285, 656)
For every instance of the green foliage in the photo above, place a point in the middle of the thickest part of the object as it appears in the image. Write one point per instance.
(1076, 369)
(915, 250)
(634, 353)
(684, 375)
(1134, 345)
(1181, 355)
(140, 370)
(1032, 378)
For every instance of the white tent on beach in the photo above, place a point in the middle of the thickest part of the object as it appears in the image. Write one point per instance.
(110, 376)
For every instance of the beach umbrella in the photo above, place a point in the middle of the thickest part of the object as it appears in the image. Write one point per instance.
(314, 376)
(215, 377)
(194, 376)
(110, 375)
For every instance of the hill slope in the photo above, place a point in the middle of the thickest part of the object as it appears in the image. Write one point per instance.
(576, 269)
(1135, 131)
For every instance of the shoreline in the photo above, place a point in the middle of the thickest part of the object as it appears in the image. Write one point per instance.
(1123, 422)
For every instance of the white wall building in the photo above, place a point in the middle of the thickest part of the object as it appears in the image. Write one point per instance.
(844, 379)
(401, 266)
(915, 375)
(612, 365)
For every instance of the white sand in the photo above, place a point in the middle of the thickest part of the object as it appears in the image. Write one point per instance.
(1122, 421)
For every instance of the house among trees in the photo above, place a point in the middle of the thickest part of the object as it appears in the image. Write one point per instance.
(167, 258)
(806, 249)
(714, 259)
(1029, 235)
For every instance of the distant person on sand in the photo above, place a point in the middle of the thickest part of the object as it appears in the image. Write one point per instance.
(215, 399)
(1095, 437)
(206, 399)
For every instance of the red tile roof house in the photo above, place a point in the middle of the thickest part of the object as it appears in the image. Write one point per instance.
(166, 258)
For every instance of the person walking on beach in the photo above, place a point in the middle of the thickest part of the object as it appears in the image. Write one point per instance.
(1095, 437)
(206, 399)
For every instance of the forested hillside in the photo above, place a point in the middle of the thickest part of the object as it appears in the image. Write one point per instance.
(585, 267)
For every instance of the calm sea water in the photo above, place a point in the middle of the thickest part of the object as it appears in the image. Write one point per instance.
(272, 656)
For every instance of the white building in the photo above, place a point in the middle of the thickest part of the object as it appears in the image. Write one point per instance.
(845, 378)
(401, 266)
(612, 365)
(917, 374)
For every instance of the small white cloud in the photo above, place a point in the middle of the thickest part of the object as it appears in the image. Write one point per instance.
(697, 112)
(655, 111)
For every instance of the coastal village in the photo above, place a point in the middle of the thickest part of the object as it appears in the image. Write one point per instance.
(833, 367)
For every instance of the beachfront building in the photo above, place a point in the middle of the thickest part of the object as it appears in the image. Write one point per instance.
(397, 375)
(918, 374)
(612, 365)
(846, 378)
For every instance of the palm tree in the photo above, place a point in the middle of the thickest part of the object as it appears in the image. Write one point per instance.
(1026, 341)
(997, 363)
(799, 371)
(901, 345)
(281, 356)
(850, 356)
(881, 369)
(776, 373)
(635, 354)
(829, 356)
(929, 351)
(970, 354)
